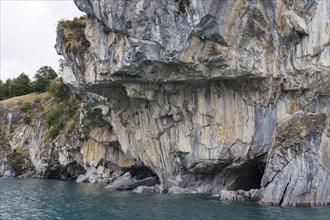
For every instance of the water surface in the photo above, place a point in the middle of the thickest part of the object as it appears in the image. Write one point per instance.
(53, 199)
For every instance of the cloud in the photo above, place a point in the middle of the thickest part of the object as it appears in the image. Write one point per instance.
(28, 33)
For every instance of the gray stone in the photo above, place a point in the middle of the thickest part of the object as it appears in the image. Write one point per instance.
(294, 174)
(148, 189)
(122, 181)
(90, 172)
(81, 178)
(127, 182)
(240, 195)
(100, 170)
(106, 173)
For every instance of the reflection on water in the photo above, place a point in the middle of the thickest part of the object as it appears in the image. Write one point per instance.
(51, 199)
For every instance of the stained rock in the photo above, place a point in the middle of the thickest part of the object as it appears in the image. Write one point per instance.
(295, 174)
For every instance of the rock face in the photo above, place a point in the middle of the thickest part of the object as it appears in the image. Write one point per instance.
(207, 94)
(26, 150)
(297, 171)
(223, 97)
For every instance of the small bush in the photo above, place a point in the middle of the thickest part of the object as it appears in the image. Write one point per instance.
(26, 107)
(37, 100)
(65, 109)
(48, 97)
(55, 130)
(73, 33)
(54, 116)
(27, 120)
(182, 4)
(41, 108)
(2, 138)
(59, 90)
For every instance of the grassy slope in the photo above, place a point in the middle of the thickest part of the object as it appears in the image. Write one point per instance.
(24, 98)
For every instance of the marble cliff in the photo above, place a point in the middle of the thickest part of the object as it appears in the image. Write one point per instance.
(187, 96)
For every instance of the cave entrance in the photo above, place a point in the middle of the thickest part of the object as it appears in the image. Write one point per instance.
(248, 176)
(134, 177)
(141, 172)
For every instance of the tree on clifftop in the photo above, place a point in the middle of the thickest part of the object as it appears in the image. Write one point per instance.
(21, 85)
(46, 72)
(43, 78)
(7, 88)
(2, 90)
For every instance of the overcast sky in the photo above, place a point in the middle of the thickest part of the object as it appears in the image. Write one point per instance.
(28, 33)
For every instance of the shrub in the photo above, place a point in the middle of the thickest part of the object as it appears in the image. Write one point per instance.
(26, 107)
(59, 90)
(55, 129)
(48, 97)
(27, 120)
(37, 100)
(54, 115)
(58, 116)
(66, 108)
(73, 33)
(182, 4)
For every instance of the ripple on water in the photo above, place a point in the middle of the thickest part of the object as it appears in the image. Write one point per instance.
(51, 199)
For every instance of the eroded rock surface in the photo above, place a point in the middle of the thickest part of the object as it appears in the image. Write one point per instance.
(223, 97)
(296, 173)
(195, 93)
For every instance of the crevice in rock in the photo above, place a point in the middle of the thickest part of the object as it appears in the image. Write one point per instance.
(284, 192)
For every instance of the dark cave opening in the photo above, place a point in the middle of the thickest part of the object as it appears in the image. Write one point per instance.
(141, 172)
(134, 177)
(70, 171)
(225, 175)
(247, 176)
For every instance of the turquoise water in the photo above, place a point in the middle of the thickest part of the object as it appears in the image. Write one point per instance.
(52, 199)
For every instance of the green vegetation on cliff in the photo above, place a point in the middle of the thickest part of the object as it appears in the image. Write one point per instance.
(56, 108)
(73, 33)
(182, 4)
(65, 109)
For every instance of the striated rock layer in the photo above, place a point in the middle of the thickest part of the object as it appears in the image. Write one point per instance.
(223, 97)
(209, 95)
